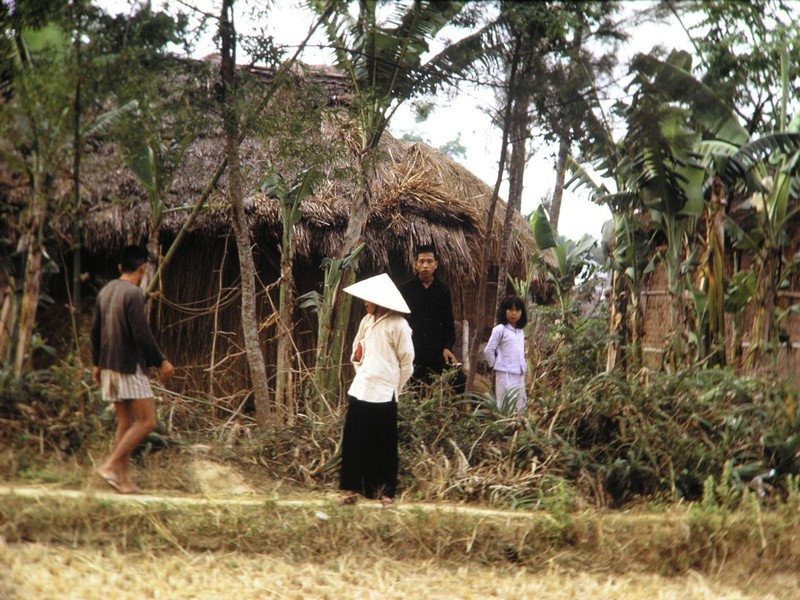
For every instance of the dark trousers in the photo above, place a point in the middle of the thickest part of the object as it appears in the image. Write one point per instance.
(369, 448)
(424, 374)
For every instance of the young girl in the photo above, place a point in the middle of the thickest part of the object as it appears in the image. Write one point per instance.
(383, 357)
(505, 352)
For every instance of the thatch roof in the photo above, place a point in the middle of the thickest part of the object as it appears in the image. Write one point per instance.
(419, 196)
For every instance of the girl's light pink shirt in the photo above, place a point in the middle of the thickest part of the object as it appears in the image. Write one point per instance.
(505, 350)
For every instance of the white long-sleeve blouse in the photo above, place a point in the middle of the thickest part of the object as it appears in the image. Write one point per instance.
(387, 358)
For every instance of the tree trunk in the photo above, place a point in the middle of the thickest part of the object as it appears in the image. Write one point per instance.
(715, 238)
(8, 321)
(359, 211)
(154, 250)
(77, 231)
(31, 287)
(561, 172)
(334, 318)
(764, 301)
(487, 234)
(617, 322)
(212, 363)
(284, 382)
(30, 244)
(255, 356)
(516, 177)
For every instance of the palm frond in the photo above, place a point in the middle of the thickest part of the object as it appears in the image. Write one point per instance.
(582, 177)
(674, 81)
(740, 166)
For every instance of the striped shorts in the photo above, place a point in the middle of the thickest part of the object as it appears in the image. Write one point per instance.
(117, 387)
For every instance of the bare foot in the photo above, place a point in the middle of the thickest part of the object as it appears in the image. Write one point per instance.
(348, 500)
(130, 488)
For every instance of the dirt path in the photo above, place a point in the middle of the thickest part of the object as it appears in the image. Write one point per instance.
(254, 499)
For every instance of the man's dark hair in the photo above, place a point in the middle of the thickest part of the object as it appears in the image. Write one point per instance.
(426, 248)
(512, 302)
(133, 257)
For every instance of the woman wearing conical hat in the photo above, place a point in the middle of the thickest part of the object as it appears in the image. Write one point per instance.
(383, 357)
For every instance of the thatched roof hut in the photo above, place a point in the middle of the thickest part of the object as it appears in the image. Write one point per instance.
(419, 195)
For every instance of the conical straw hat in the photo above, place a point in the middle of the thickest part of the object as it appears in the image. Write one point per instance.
(379, 290)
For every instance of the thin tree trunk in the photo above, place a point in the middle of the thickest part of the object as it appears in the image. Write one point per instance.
(516, 177)
(284, 382)
(617, 322)
(715, 238)
(31, 288)
(480, 306)
(30, 243)
(564, 138)
(8, 321)
(255, 356)
(212, 365)
(154, 250)
(561, 172)
(764, 301)
(335, 318)
(359, 210)
(77, 230)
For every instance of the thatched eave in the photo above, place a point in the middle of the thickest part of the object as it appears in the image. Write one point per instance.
(419, 195)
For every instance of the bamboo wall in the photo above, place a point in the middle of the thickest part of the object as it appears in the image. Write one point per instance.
(657, 325)
(196, 314)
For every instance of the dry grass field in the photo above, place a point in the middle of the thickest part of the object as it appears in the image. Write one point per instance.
(224, 535)
(45, 571)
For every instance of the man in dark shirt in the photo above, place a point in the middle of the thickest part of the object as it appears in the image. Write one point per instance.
(122, 348)
(431, 320)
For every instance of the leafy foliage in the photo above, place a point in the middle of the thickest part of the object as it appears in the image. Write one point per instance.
(740, 46)
(570, 259)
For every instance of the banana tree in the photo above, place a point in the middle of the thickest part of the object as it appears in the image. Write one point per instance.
(36, 128)
(154, 160)
(290, 197)
(662, 172)
(570, 260)
(628, 256)
(709, 290)
(329, 355)
(670, 188)
(768, 169)
(38, 137)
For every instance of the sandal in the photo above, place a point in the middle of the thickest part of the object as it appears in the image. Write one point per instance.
(111, 480)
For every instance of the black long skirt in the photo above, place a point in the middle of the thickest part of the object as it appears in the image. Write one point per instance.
(369, 448)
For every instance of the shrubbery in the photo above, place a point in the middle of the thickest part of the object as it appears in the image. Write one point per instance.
(588, 437)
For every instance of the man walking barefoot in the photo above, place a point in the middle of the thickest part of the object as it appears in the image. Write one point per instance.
(122, 348)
